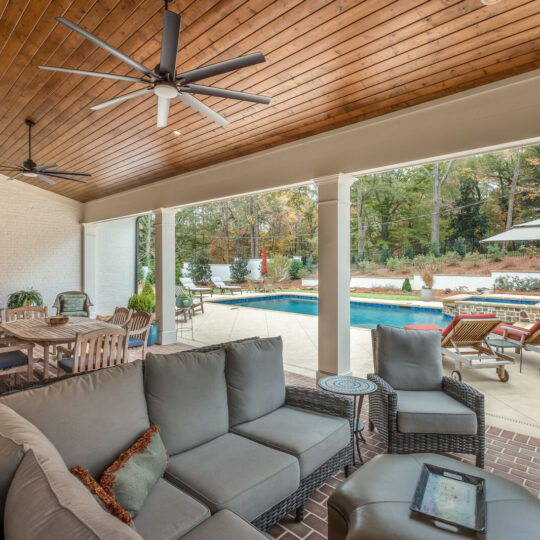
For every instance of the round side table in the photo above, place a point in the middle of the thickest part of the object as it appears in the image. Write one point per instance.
(356, 387)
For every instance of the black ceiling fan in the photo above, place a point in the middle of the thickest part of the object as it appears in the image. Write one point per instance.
(43, 172)
(163, 81)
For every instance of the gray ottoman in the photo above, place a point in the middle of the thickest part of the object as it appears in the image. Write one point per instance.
(373, 503)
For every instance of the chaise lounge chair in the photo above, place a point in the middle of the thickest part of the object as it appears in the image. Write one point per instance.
(188, 284)
(528, 339)
(464, 341)
(218, 283)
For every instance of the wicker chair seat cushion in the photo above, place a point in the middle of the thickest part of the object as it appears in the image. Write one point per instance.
(255, 378)
(225, 524)
(313, 438)
(433, 412)
(73, 302)
(81, 416)
(235, 473)
(74, 313)
(12, 359)
(134, 342)
(409, 359)
(46, 501)
(186, 395)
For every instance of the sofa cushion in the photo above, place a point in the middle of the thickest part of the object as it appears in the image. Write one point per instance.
(313, 438)
(90, 418)
(187, 397)
(235, 473)
(255, 378)
(433, 412)
(168, 513)
(409, 359)
(45, 501)
(225, 525)
(18, 436)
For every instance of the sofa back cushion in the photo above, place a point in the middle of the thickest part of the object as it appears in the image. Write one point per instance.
(187, 397)
(90, 418)
(409, 359)
(45, 501)
(255, 378)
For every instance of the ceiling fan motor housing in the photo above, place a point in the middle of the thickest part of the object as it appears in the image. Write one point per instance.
(29, 165)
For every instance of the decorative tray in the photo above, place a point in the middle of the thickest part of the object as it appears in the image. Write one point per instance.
(451, 497)
(57, 320)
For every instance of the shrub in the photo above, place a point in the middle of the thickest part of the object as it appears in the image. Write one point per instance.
(459, 246)
(199, 267)
(495, 253)
(406, 287)
(29, 297)
(435, 250)
(309, 265)
(427, 276)
(278, 267)
(451, 258)
(408, 251)
(148, 290)
(239, 270)
(304, 273)
(366, 267)
(516, 283)
(385, 253)
(142, 302)
(423, 260)
(294, 268)
(395, 264)
(474, 257)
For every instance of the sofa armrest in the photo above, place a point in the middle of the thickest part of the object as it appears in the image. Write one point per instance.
(320, 401)
(465, 394)
(383, 407)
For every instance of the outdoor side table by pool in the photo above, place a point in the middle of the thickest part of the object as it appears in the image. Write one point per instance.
(357, 388)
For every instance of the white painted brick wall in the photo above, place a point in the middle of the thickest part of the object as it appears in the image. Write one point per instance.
(40, 241)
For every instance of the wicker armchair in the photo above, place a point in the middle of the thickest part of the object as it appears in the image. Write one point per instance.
(59, 301)
(383, 415)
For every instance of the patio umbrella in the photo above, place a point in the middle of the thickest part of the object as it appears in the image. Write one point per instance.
(521, 232)
(263, 268)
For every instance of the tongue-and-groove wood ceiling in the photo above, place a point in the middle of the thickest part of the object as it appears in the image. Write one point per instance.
(329, 64)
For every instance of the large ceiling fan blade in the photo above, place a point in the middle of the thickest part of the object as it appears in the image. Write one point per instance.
(47, 166)
(46, 179)
(69, 172)
(110, 49)
(125, 97)
(169, 43)
(54, 175)
(163, 111)
(221, 92)
(96, 74)
(221, 67)
(16, 176)
(202, 108)
(9, 161)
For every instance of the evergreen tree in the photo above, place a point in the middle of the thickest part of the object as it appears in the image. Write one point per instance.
(199, 267)
(239, 269)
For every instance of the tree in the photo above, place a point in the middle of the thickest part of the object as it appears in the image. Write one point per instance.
(199, 267)
(239, 269)
(294, 269)
(512, 193)
(437, 180)
(459, 246)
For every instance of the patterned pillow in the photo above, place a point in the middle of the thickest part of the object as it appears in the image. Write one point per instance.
(73, 302)
(125, 485)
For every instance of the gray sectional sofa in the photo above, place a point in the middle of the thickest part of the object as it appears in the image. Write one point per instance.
(243, 448)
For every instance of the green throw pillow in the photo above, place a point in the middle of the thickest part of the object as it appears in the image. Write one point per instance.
(73, 302)
(133, 475)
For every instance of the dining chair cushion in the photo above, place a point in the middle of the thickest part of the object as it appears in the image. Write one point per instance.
(255, 378)
(67, 364)
(134, 342)
(93, 429)
(186, 395)
(74, 313)
(45, 501)
(73, 302)
(409, 359)
(12, 359)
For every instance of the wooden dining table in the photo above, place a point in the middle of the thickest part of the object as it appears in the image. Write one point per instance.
(42, 333)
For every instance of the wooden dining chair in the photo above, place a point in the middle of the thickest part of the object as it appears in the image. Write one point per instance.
(98, 349)
(139, 328)
(120, 317)
(25, 312)
(16, 357)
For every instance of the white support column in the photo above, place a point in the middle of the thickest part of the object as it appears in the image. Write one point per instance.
(89, 278)
(165, 274)
(334, 275)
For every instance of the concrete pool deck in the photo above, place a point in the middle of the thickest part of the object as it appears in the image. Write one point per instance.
(514, 405)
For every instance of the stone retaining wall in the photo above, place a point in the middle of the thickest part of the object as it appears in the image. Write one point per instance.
(510, 313)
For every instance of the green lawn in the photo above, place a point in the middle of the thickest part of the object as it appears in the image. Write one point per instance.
(377, 296)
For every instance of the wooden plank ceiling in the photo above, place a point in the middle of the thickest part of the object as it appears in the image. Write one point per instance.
(329, 63)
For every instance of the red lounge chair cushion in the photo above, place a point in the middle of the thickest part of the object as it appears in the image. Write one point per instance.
(423, 327)
(458, 318)
(516, 335)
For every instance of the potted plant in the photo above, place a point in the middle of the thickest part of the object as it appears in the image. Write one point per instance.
(427, 289)
(29, 297)
(145, 301)
(185, 299)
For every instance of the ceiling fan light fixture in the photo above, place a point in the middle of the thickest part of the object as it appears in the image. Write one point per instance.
(490, 2)
(177, 133)
(30, 174)
(165, 90)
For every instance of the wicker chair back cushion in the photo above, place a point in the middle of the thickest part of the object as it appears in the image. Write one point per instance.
(409, 359)
(82, 417)
(187, 396)
(73, 303)
(255, 378)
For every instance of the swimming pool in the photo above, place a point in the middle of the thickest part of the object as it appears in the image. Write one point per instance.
(362, 314)
(502, 300)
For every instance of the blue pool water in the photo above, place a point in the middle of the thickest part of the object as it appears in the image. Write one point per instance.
(363, 315)
(504, 301)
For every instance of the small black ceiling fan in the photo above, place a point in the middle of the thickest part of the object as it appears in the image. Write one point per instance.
(163, 81)
(43, 172)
